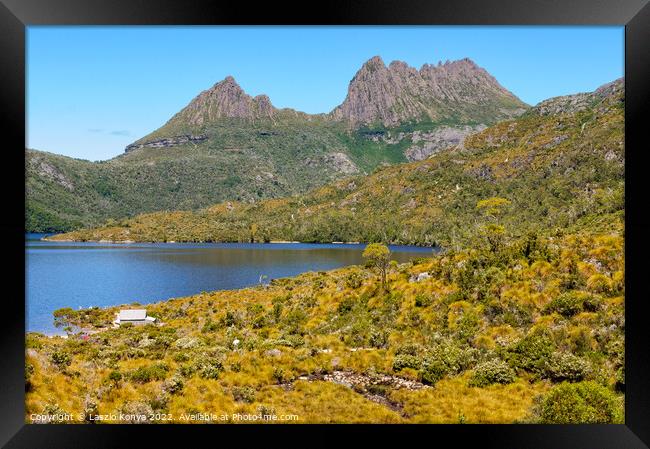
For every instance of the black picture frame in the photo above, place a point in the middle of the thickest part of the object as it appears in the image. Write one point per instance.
(15, 15)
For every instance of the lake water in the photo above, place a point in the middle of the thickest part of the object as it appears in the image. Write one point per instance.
(80, 275)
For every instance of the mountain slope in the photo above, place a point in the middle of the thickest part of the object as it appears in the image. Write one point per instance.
(227, 145)
(558, 168)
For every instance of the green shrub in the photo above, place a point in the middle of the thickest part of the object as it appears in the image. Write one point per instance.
(294, 341)
(492, 372)
(243, 394)
(378, 338)
(266, 412)
(277, 310)
(592, 303)
(91, 408)
(115, 376)
(54, 413)
(422, 300)
(456, 296)
(61, 359)
(181, 357)
(187, 343)
(174, 385)
(566, 367)
(402, 361)
(346, 305)
(144, 374)
(467, 326)
(279, 375)
(136, 408)
(511, 312)
(447, 358)
(259, 322)
(357, 334)
(620, 379)
(433, 370)
(567, 304)
(294, 320)
(235, 367)
(530, 353)
(209, 326)
(353, 280)
(29, 371)
(410, 349)
(580, 340)
(231, 319)
(210, 368)
(585, 402)
(532, 247)
(33, 341)
(187, 370)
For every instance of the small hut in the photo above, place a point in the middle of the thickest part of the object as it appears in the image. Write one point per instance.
(136, 317)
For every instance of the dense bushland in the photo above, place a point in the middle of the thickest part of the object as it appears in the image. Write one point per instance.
(515, 333)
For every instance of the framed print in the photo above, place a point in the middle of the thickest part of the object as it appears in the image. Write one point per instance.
(409, 219)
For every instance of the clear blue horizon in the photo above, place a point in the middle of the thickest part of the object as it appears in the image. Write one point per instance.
(93, 90)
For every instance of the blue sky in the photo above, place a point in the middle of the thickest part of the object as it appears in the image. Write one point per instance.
(93, 90)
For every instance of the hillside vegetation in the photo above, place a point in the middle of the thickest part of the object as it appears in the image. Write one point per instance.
(521, 319)
(529, 330)
(246, 163)
(556, 170)
(227, 145)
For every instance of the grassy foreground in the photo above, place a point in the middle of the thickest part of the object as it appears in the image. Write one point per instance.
(514, 330)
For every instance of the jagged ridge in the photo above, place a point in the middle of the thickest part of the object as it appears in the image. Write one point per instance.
(454, 91)
(457, 93)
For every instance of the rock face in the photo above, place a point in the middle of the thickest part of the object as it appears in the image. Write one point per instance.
(341, 163)
(167, 142)
(459, 91)
(338, 161)
(426, 144)
(47, 170)
(224, 100)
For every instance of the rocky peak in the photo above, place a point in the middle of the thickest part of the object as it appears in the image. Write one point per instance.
(373, 63)
(264, 106)
(399, 93)
(226, 99)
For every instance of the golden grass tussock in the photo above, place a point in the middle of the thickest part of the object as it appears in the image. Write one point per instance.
(469, 336)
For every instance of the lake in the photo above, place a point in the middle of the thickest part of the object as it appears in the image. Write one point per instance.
(84, 274)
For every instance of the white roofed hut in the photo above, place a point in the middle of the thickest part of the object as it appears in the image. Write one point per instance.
(136, 317)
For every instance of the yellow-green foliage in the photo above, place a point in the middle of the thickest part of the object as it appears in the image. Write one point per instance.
(481, 337)
(535, 172)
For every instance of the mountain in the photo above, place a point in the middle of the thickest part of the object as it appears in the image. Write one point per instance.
(228, 145)
(559, 166)
(225, 102)
(454, 92)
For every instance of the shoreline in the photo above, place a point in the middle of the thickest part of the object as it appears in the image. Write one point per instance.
(271, 242)
(53, 334)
